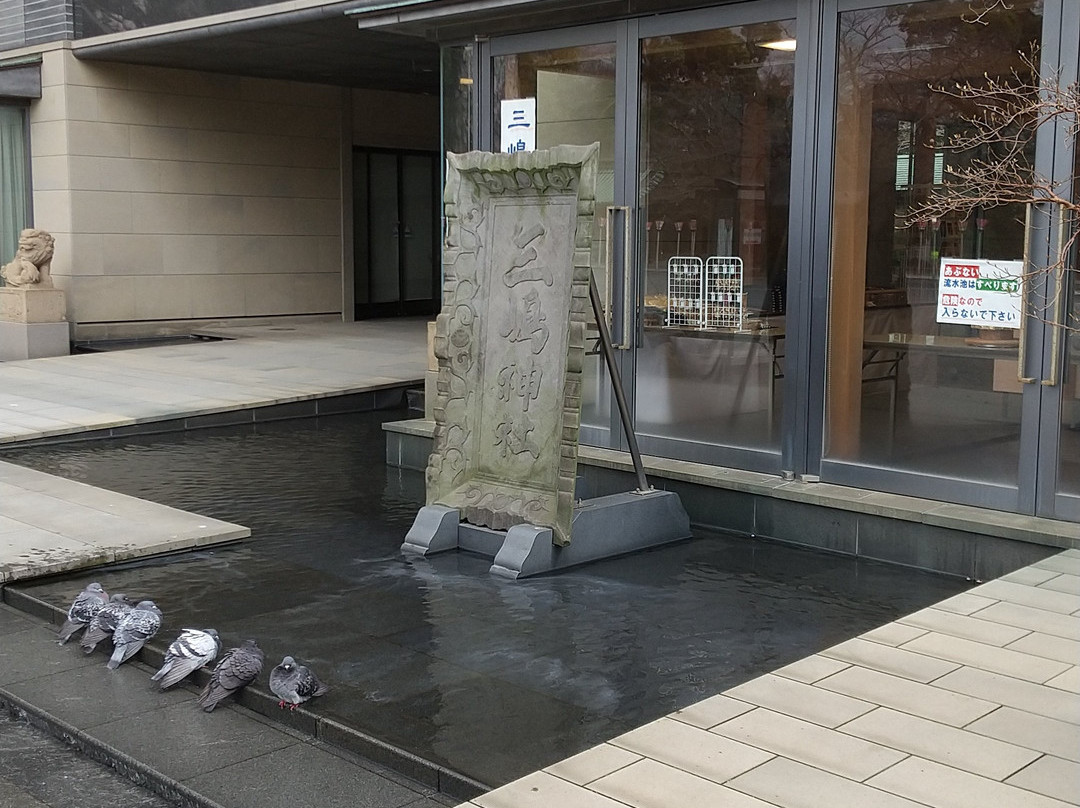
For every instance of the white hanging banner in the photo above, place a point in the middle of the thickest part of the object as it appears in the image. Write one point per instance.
(518, 125)
(980, 292)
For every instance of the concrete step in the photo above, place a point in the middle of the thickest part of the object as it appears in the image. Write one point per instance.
(245, 752)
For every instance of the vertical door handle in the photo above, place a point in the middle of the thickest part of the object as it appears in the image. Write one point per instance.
(618, 258)
(1025, 268)
(1060, 281)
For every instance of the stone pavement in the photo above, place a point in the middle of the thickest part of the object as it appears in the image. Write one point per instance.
(39, 771)
(973, 702)
(49, 524)
(257, 366)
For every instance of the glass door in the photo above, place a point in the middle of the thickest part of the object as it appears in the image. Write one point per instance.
(940, 340)
(395, 233)
(1062, 466)
(714, 172)
(693, 113)
(570, 79)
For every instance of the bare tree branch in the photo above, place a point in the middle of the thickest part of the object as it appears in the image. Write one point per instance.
(995, 154)
(980, 11)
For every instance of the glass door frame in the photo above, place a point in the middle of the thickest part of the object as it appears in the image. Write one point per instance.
(1037, 452)
(617, 33)
(627, 34)
(794, 383)
(801, 451)
(1049, 498)
(364, 283)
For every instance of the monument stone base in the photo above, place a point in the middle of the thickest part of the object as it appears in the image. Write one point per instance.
(602, 528)
(32, 323)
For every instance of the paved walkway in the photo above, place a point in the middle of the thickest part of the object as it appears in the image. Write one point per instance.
(257, 367)
(49, 524)
(971, 703)
(39, 771)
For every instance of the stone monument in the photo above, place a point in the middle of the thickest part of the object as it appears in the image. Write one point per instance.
(33, 321)
(510, 345)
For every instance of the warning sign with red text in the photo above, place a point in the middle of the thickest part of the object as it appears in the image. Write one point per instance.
(980, 292)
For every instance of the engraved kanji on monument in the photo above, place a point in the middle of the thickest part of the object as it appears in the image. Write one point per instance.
(510, 340)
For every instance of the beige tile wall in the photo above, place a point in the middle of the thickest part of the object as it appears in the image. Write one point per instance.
(182, 195)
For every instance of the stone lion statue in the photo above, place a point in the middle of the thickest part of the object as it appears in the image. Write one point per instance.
(32, 261)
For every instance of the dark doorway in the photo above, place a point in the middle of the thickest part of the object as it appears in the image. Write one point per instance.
(395, 232)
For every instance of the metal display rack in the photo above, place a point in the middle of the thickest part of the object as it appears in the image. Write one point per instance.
(724, 299)
(708, 295)
(685, 288)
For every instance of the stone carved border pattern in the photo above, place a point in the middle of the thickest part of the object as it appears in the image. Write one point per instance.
(472, 179)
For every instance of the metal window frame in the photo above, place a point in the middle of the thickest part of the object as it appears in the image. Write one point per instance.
(803, 425)
(1050, 497)
(1037, 457)
(627, 35)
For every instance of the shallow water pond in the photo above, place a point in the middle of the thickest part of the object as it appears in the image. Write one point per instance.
(488, 677)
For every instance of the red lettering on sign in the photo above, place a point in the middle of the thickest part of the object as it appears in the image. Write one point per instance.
(961, 271)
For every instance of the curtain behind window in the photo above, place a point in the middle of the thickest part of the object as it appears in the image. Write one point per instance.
(14, 215)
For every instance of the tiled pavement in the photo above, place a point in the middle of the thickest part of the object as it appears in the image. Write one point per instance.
(971, 703)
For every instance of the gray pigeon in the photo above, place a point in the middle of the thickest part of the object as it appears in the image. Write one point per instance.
(188, 652)
(105, 621)
(294, 683)
(238, 667)
(86, 604)
(132, 632)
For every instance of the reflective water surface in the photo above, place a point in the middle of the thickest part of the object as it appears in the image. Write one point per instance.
(491, 678)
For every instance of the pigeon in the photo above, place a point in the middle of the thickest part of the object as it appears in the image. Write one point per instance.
(188, 652)
(294, 683)
(105, 621)
(238, 667)
(132, 632)
(82, 611)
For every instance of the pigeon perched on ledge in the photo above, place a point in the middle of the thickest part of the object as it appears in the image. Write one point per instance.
(294, 683)
(105, 621)
(238, 667)
(187, 653)
(82, 610)
(133, 631)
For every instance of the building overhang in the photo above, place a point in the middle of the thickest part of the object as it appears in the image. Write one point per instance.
(21, 78)
(317, 43)
(460, 20)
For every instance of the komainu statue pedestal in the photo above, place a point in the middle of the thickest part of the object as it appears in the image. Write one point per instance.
(33, 314)
(510, 347)
(33, 323)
